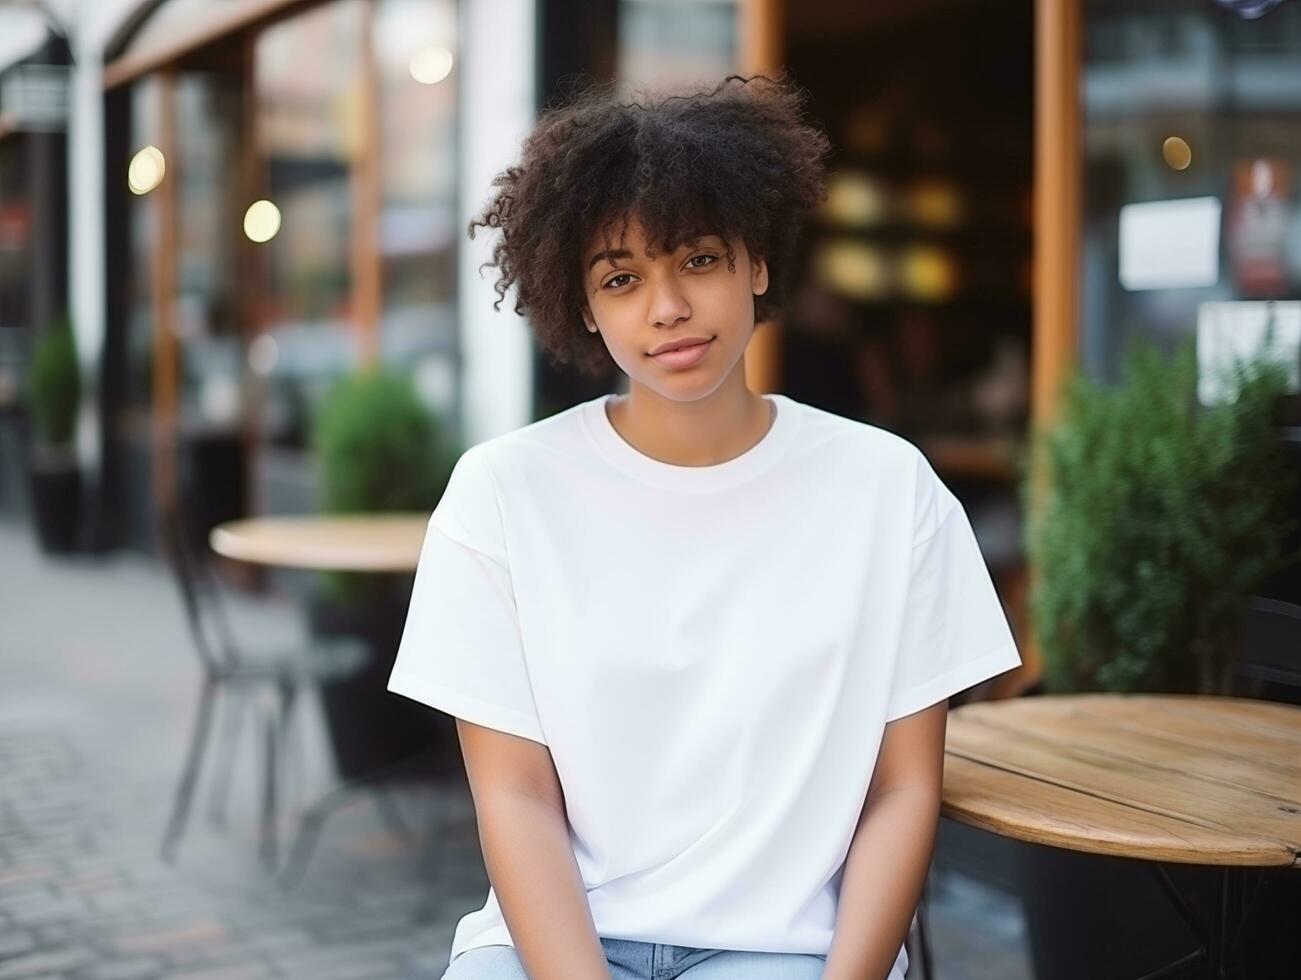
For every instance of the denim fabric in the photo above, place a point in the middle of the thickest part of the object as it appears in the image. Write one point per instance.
(630, 959)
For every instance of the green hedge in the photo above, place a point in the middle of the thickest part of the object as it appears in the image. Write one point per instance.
(55, 385)
(380, 449)
(1161, 518)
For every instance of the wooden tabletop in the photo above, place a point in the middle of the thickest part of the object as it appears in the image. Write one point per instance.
(1172, 778)
(353, 542)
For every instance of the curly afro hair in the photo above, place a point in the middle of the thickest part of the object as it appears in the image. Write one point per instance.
(737, 160)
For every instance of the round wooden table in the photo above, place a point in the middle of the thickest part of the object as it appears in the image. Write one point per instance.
(1161, 778)
(325, 542)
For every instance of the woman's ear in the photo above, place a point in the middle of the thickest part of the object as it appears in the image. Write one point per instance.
(759, 277)
(588, 321)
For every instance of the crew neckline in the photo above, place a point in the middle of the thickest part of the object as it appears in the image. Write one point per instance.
(671, 476)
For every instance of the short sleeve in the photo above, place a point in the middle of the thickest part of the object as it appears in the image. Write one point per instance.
(955, 633)
(461, 650)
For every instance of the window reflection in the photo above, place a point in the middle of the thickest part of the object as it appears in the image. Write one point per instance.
(208, 312)
(308, 132)
(133, 416)
(417, 60)
(665, 43)
(1188, 101)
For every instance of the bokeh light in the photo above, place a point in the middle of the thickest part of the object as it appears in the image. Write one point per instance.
(261, 221)
(431, 65)
(146, 170)
(1178, 154)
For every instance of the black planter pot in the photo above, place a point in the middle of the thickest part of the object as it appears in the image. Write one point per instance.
(370, 727)
(1105, 918)
(14, 467)
(1091, 916)
(212, 475)
(55, 485)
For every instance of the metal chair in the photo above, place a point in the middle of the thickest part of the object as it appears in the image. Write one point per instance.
(1270, 662)
(417, 769)
(242, 676)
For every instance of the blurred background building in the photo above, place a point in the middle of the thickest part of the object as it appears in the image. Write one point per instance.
(238, 201)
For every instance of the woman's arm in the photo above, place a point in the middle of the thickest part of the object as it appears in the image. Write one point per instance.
(524, 834)
(891, 849)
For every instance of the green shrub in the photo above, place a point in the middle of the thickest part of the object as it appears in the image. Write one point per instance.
(1159, 520)
(380, 449)
(55, 383)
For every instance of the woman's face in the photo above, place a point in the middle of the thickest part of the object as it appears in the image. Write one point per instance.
(638, 305)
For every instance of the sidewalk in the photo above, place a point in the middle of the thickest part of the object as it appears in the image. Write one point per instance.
(99, 682)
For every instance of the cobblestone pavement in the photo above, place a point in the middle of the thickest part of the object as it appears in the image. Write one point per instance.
(99, 682)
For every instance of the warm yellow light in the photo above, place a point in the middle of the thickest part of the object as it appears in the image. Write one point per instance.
(855, 199)
(146, 170)
(1178, 154)
(431, 65)
(853, 269)
(936, 203)
(261, 221)
(927, 273)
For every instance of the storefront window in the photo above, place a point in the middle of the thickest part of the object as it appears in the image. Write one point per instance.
(210, 307)
(417, 58)
(1192, 151)
(15, 235)
(307, 127)
(669, 42)
(142, 180)
(299, 220)
(140, 185)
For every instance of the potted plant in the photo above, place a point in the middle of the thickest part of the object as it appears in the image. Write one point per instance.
(1160, 519)
(379, 449)
(54, 395)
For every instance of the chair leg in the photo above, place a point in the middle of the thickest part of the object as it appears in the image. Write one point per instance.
(270, 815)
(429, 862)
(279, 719)
(232, 713)
(439, 811)
(288, 693)
(924, 937)
(390, 814)
(189, 777)
(309, 830)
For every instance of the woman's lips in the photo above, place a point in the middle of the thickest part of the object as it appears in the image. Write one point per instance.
(684, 357)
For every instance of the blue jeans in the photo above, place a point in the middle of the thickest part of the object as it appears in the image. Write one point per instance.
(630, 959)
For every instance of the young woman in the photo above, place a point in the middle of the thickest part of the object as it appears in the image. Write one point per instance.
(698, 640)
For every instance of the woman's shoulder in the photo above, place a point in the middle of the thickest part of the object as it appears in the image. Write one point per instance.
(876, 465)
(855, 441)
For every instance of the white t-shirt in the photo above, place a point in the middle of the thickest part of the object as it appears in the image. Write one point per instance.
(711, 654)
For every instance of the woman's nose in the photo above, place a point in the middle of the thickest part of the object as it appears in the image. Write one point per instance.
(668, 303)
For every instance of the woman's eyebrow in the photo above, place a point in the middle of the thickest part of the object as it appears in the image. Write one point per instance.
(609, 254)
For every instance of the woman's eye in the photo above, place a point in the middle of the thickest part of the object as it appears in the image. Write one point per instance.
(613, 281)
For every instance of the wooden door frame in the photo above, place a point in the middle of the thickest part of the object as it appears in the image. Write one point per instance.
(761, 49)
(1058, 168)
